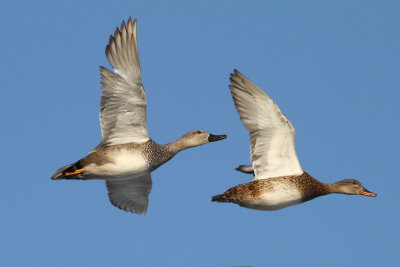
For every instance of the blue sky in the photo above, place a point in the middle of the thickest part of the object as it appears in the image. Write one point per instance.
(333, 69)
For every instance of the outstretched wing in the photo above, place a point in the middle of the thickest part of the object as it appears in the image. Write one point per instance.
(130, 194)
(272, 144)
(123, 103)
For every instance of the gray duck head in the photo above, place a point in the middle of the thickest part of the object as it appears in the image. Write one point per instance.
(197, 138)
(351, 187)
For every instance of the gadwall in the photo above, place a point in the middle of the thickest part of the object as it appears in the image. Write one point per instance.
(126, 155)
(279, 181)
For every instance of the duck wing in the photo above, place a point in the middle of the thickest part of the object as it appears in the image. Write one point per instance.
(130, 194)
(272, 136)
(123, 102)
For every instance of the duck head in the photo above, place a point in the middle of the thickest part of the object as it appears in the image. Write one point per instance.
(198, 137)
(352, 187)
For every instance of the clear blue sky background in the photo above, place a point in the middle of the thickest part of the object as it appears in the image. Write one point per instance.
(333, 69)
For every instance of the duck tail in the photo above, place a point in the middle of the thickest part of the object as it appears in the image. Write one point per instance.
(70, 171)
(246, 169)
(220, 198)
(59, 174)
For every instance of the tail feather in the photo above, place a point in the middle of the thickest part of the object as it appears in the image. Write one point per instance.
(246, 169)
(60, 173)
(220, 198)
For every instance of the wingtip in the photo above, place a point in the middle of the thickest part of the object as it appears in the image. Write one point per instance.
(127, 209)
(238, 80)
(117, 32)
(130, 21)
(110, 41)
(137, 212)
(134, 25)
(123, 26)
(236, 74)
(232, 74)
(245, 169)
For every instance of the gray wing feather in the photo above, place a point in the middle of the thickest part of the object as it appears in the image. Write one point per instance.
(130, 194)
(123, 102)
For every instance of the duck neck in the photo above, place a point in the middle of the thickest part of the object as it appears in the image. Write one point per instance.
(310, 186)
(159, 154)
(320, 189)
(163, 153)
(176, 146)
(334, 188)
(173, 147)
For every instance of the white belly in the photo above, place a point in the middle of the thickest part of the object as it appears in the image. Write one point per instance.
(280, 197)
(124, 164)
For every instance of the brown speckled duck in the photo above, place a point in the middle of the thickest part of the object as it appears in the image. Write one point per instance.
(279, 181)
(126, 155)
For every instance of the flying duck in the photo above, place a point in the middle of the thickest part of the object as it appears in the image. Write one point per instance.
(279, 181)
(126, 154)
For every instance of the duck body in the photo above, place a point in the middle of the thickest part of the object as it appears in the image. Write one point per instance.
(115, 162)
(274, 193)
(127, 168)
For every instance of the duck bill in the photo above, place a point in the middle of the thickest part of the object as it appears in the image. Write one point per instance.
(212, 138)
(367, 193)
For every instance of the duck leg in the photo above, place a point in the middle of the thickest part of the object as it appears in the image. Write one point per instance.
(74, 172)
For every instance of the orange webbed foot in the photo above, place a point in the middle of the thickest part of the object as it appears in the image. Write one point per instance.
(74, 172)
